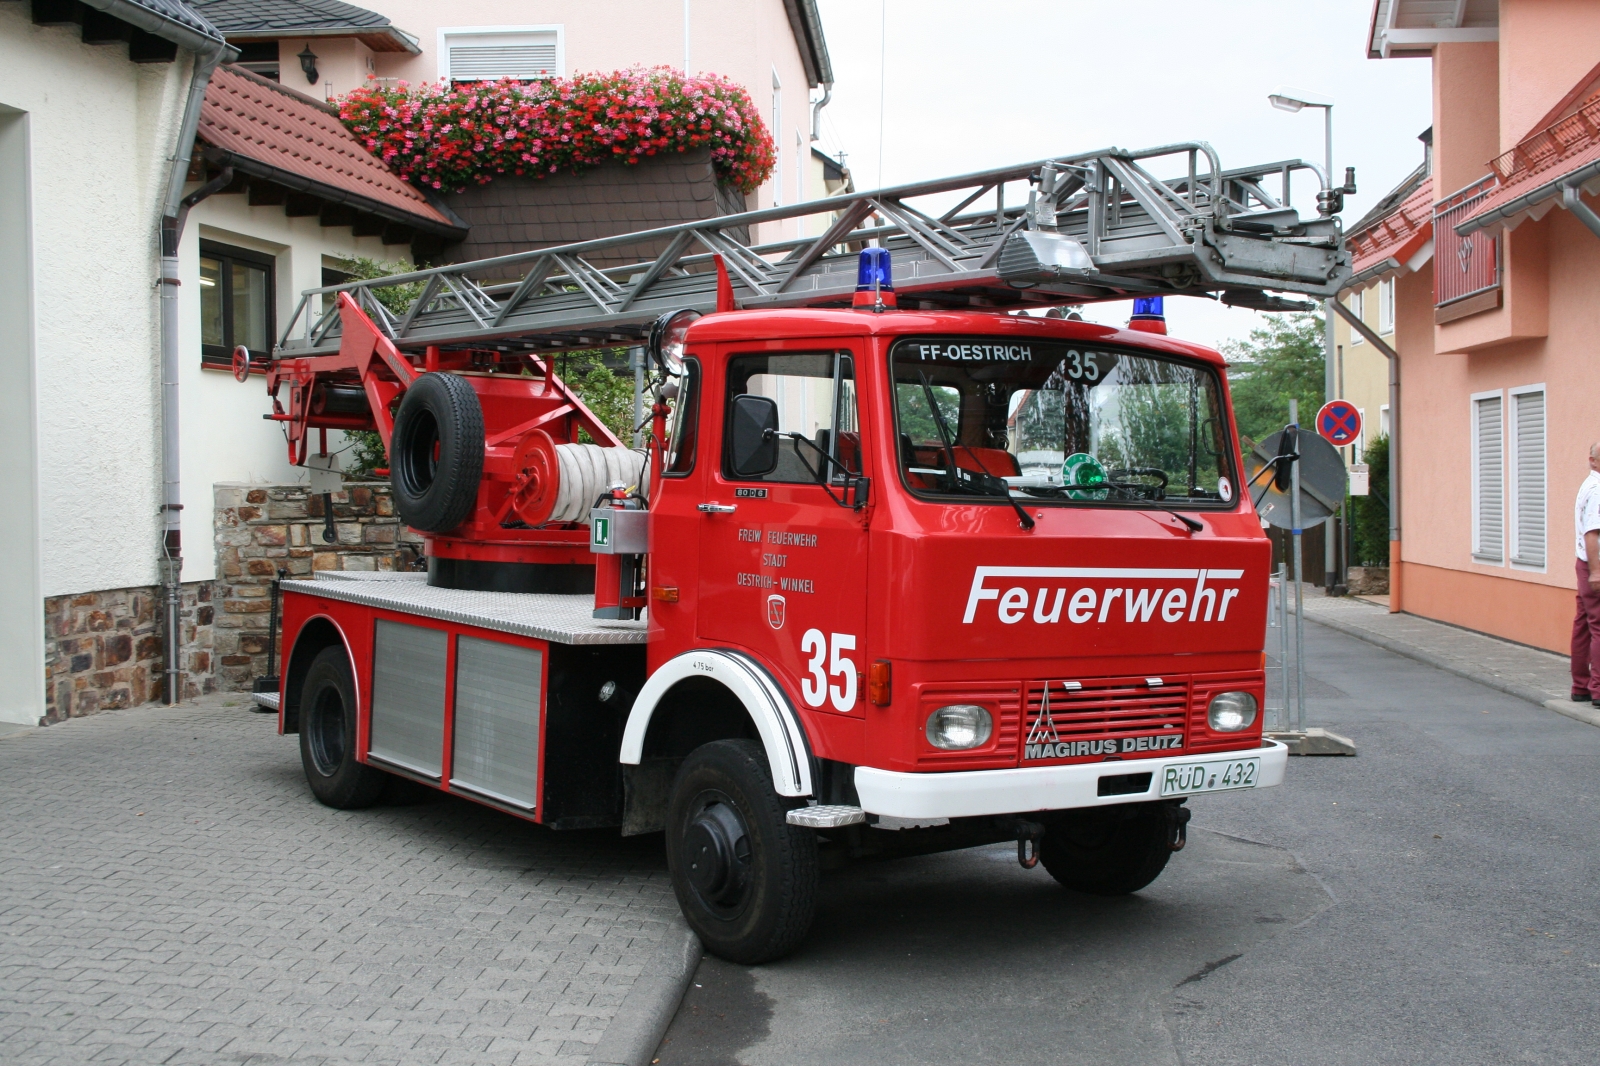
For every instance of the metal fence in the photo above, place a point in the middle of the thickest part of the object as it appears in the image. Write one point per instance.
(1463, 266)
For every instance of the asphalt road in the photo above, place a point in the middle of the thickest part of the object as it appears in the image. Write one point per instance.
(1432, 900)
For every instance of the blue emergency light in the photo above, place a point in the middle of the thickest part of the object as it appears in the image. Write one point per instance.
(874, 279)
(1148, 315)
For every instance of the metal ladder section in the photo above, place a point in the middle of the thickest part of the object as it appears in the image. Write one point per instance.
(1095, 226)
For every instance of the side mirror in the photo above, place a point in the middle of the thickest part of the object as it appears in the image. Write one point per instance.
(753, 436)
(1288, 453)
(863, 491)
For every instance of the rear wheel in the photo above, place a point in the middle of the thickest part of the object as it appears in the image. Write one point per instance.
(1109, 851)
(328, 735)
(745, 879)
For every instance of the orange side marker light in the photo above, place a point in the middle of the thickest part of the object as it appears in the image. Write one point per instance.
(878, 683)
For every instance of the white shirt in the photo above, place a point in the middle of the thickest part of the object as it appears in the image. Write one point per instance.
(1586, 515)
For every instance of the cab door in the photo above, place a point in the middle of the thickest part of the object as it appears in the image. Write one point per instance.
(783, 555)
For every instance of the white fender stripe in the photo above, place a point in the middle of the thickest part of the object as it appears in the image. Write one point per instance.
(774, 717)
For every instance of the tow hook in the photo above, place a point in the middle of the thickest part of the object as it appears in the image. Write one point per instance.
(1029, 835)
(1180, 827)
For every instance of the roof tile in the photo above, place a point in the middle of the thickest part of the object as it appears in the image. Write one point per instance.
(265, 122)
(1396, 235)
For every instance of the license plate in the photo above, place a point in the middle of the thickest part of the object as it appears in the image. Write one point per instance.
(1187, 779)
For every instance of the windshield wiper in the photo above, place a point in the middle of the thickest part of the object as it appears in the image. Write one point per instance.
(984, 483)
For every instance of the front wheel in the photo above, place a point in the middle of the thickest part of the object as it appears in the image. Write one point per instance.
(745, 879)
(328, 735)
(1111, 851)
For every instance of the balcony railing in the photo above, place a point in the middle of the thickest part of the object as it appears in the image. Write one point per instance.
(1463, 266)
(1552, 144)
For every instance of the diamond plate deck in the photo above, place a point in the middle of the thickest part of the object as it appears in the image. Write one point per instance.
(543, 616)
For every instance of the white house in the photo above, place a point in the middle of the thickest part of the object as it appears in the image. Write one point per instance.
(91, 130)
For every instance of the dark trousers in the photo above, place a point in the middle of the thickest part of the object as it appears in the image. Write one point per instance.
(1586, 637)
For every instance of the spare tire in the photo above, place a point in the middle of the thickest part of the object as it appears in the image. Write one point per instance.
(436, 453)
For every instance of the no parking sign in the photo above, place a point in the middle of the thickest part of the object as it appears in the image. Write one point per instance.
(1339, 423)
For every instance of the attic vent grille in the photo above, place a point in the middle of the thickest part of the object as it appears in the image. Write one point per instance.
(491, 56)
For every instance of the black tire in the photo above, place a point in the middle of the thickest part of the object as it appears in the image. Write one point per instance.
(1109, 851)
(745, 879)
(436, 453)
(328, 735)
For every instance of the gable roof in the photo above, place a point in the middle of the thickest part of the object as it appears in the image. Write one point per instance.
(1386, 243)
(262, 129)
(259, 20)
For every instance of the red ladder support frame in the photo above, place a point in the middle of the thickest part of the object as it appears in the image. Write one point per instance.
(514, 406)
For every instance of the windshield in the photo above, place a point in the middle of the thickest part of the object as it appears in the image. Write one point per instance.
(1054, 421)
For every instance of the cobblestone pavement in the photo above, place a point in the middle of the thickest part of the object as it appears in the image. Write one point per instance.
(171, 893)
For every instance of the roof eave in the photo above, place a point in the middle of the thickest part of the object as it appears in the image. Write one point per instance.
(806, 24)
(152, 21)
(1499, 216)
(333, 194)
(391, 38)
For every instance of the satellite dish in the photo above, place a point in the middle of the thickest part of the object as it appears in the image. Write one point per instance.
(1322, 480)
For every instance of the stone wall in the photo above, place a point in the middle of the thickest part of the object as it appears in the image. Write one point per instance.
(104, 650)
(262, 529)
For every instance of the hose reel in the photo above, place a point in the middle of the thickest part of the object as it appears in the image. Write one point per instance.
(560, 482)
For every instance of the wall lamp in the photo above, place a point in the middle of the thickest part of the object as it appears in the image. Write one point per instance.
(308, 63)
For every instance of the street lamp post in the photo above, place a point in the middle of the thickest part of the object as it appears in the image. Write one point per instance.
(1285, 98)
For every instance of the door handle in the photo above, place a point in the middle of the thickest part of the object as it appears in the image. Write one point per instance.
(717, 508)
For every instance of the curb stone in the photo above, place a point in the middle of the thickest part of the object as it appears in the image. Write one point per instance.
(641, 1021)
(1576, 711)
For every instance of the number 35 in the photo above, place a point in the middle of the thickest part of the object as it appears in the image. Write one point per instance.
(814, 686)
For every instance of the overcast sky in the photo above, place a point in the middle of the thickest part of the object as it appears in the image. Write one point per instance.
(972, 85)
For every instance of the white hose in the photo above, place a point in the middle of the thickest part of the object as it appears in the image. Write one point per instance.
(587, 470)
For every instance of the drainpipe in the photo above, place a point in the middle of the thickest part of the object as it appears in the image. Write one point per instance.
(1394, 444)
(816, 110)
(208, 53)
(1572, 201)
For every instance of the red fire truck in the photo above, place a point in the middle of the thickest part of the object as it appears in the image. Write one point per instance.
(902, 568)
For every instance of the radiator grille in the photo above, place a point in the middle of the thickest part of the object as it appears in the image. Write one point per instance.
(1108, 716)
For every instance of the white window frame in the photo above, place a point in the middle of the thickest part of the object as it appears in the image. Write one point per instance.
(1513, 458)
(446, 32)
(777, 138)
(1383, 420)
(1386, 306)
(1478, 555)
(1358, 307)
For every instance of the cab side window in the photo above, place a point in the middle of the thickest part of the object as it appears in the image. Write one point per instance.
(816, 397)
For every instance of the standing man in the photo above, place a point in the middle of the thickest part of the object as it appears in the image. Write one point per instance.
(1586, 626)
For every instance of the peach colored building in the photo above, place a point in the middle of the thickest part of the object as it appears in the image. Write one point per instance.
(774, 48)
(1494, 260)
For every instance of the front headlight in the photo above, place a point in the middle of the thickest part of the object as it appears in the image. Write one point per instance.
(959, 726)
(1231, 711)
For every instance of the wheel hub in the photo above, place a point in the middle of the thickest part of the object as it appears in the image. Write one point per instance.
(717, 853)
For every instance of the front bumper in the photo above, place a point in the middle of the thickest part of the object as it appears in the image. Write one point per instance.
(970, 793)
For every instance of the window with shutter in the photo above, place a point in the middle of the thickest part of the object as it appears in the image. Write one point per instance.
(1358, 304)
(1386, 306)
(489, 54)
(1488, 478)
(1528, 478)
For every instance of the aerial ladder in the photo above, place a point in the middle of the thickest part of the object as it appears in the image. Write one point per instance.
(1095, 226)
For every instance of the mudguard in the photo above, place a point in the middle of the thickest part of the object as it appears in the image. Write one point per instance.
(774, 716)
